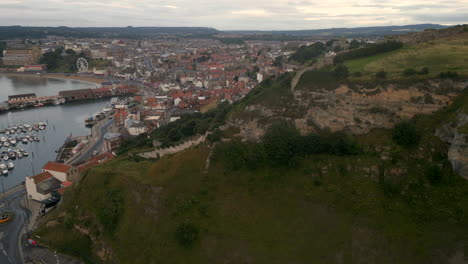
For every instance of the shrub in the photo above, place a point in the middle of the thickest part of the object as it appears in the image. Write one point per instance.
(448, 75)
(409, 72)
(341, 72)
(434, 174)
(357, 74)
(424, 71)
(381, 75)
(406, 135)
(186, 234)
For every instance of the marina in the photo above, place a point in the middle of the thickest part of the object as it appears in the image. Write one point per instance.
(59, 122)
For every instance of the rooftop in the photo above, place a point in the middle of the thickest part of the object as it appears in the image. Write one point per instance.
(54, 166)
(48, 185)
(38, 178)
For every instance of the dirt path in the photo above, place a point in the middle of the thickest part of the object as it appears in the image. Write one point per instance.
(159, 153)
(320, 64)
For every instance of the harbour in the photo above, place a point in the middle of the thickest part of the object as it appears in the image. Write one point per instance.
(62, 121)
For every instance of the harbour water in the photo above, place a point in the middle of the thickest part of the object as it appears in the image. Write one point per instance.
(62, 121)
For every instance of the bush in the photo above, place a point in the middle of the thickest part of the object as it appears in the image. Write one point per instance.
(368, 51)
(111, 210)
(406, 135)
(448, 75)
(306, 53)
(186, 234)
(341, 72)
(409, 72)
(424, 71)
(357, 74)
(434, 174)
(280, 143)
(381, 75)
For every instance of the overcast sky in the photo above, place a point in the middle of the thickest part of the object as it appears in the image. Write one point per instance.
(232, 14)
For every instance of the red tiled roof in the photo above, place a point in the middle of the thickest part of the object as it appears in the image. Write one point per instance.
(103, 157)
(66, 183)
(88, 165)
(38, 178)
(54, 166)
(61, 191)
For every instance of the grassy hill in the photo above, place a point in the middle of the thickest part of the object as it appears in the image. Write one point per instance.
(441, 55)
(378, 206)
(389, 196)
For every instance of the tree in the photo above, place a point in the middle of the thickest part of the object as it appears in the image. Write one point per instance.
(354, 44)
(70, 52)
(280, 143)
(341, 72)
(278, 61)
(406, 135)
(3, 46)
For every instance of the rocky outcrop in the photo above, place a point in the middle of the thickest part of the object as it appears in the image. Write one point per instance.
(457, 138)
(354, 108)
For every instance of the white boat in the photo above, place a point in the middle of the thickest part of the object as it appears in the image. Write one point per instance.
(13, 142)
(19, 155)
(24, 140)
(5, 157)
(3, 139)
(3, 166)
(25, 153)
(11, 165)
(5, 172)
(6, 144)
(7, 132)
(36, 138)
(27, 126)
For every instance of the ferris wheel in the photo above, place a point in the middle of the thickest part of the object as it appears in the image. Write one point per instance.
(82, 65)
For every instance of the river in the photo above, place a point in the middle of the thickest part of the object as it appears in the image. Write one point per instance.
(62, 121)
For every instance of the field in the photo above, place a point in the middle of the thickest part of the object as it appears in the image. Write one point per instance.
(442, 55)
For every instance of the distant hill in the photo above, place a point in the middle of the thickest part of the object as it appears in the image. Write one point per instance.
(347, 32)
(11, 32)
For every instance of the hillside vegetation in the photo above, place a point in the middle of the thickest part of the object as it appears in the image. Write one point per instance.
(441, 55)
(385, 201)
(288, 195)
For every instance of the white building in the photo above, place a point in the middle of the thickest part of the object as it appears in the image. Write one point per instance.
(40, 186)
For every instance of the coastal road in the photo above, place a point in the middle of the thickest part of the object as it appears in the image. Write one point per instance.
(97, 144)
(10, 231)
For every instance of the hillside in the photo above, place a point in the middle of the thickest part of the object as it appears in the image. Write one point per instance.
(347, 32)
(13, 32)
(335, 169)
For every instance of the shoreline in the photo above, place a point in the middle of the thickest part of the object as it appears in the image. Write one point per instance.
(64, 76)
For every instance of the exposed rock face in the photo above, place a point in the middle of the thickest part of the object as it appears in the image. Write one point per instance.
(458, 150)
(355, 108)
(360, 109)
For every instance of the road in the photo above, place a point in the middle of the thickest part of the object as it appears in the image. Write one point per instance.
(97, 144)
(10, 231)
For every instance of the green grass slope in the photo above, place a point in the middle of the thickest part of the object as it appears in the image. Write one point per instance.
(441, 55)
(379, 206)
